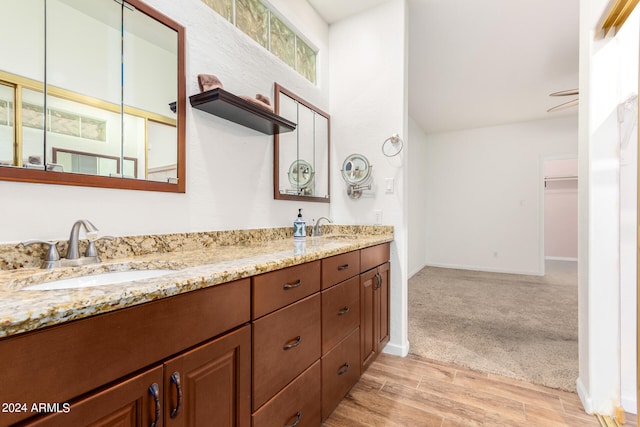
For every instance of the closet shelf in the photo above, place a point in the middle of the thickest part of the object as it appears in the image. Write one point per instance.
(224, 104)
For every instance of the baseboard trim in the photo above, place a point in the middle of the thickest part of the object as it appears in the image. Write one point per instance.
(416, 271)
(629, 404)
(584, 396)
(560, 258)
(488, 270)
(397, 350)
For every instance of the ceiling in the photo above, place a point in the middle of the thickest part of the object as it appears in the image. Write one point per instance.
(476, 63)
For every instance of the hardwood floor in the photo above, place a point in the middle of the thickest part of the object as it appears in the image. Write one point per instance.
(411, 391)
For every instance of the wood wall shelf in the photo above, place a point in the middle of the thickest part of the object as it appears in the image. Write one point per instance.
(231, 107)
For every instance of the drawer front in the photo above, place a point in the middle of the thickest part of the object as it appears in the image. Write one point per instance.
(298, 402)
(340, 312)
(340, 371)
(285, 343)
(274, 290)
(339, 268)
(374, 256)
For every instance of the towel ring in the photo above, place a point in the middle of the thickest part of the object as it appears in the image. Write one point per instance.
(392, 146)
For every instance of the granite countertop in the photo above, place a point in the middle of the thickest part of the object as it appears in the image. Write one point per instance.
(28, 310)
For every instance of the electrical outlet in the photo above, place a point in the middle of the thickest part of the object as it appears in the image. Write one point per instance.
(377, 213)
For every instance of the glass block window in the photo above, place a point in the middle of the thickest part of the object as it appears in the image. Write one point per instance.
(252, 17)
(222, 7)
(257, 21)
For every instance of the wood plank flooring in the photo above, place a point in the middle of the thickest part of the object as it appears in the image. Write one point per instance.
(411, 391)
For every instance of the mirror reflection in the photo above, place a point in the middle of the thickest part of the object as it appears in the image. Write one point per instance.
(104, 107)
(301, 157)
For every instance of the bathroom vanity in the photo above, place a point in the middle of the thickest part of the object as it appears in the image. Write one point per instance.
(258, 333)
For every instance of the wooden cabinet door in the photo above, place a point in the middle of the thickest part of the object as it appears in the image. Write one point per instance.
(383, 307)
(368, 324)
(211, 384)
(133, 402)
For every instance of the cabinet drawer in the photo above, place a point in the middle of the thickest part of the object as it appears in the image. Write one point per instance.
(277, 289)
(340, 312)
(299, 401)
(285, 343)
(374, 256)
(338, 268)
(340, 371)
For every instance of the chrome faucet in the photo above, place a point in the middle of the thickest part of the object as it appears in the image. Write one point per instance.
(72, 257)
(74, 236)
(316, 228)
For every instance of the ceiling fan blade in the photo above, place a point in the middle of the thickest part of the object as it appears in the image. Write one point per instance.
(565, 92)
(563, 106)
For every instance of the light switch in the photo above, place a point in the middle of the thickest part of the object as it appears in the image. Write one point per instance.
(388, 185)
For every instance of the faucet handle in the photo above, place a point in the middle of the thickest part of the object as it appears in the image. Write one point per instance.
(91, 249)
(52, 254)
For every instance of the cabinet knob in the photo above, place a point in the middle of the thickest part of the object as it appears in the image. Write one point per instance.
(344, 368)
(293, 285)
(344, 311)
(378, 281)
(297, 421)
(154, 391)
(293, 343)
(175, 380)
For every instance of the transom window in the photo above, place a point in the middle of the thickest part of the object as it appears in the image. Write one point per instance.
(257, 21)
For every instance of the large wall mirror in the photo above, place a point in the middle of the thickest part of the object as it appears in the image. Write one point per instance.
(92, 93)
(301, 157)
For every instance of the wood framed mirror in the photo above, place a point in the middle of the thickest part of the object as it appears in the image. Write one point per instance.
(301, 158)
(103, 78)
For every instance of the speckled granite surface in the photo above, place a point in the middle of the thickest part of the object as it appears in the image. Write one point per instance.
(200, 260)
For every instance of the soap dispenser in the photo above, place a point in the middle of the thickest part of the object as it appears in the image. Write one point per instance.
(299, 227)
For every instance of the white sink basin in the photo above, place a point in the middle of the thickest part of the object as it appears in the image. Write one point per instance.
(108, 278)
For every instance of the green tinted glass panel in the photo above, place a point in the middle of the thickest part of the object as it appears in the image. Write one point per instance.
(252, 17)
(306, 60)
(222, 7)
(283, 42)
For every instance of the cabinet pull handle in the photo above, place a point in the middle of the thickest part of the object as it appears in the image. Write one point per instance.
(175, 379)
(293, 285)
(343, 267)
(296, 422)
(344, 311)
(154, 391)
(293, 343)
(344, 368)
(378, 281)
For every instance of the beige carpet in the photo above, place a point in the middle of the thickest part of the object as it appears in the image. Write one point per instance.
(524, 327)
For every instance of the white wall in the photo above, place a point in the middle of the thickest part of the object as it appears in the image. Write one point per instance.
(229, 167)
(608, 73)
(484, 192)
(417, 195)
(369, 104)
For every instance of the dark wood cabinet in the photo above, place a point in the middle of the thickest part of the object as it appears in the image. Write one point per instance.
(281, 348)
(211, 384)
(285, 343)
(134, 402)
(374, 303)
(340, 371)
(88, 363)
(298, 404)
(208, 385)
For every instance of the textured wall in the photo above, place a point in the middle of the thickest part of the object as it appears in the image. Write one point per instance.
(229, 167)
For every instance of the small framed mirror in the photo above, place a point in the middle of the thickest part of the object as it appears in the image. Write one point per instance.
(301, 157)
(92, 93)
